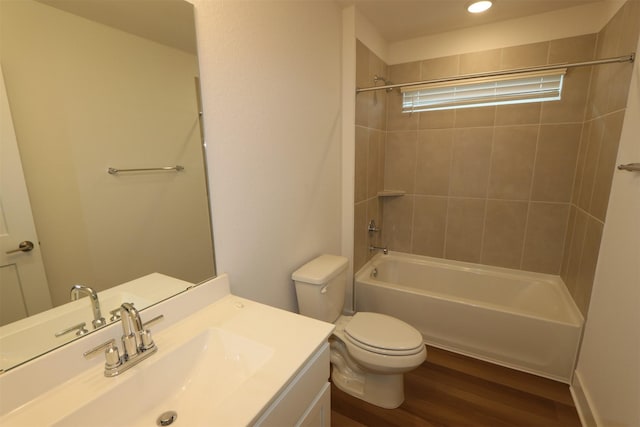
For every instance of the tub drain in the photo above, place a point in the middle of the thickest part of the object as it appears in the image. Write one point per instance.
(167, 418)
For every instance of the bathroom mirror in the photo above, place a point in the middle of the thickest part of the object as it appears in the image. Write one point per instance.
(92, 85)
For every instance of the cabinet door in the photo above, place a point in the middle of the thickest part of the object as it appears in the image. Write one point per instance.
(319, 413)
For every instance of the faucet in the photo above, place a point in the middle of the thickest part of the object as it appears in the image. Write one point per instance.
(385, 250)
(136, 342)
(76, 290)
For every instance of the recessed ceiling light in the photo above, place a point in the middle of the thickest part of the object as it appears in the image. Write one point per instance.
(479, 6)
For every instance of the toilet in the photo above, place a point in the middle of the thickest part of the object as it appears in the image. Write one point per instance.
(370, 352)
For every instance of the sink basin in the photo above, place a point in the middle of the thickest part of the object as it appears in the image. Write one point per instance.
(214, 364)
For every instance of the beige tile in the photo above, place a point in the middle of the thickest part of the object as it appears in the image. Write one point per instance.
(438, 68)
(574, 248)
(610, 35)
(374, 170)
(514, 150)
(564, 268)
(544, 238)
(528, 55)
(429, 225)
(630, 28)
(518, 114)
(362, 142)
(475, 117)
(504, 228)
(382, 144)
(465, 220)
(582, 153)
(589, 259)
(572, 49)
(404, 73)
(377, 67)
(440, 119)
(400, 161)
(480, 62)
(434, 161)
(592, 151)
(598, 92)
(606, 164)
(364, 101)
(471, 162)
(618, 86)
(377, 118)
(571, 108)
(359, 235)
(555, 165)
(397, 222)
(362, 65)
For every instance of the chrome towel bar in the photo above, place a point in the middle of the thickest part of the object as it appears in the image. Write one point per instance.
(177, 168)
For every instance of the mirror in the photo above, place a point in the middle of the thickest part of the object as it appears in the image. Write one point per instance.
(91, 85)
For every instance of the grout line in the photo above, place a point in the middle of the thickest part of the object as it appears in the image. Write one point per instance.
(530, 202)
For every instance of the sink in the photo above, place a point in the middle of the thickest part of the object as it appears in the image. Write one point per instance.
(214, 364)
(221, 360)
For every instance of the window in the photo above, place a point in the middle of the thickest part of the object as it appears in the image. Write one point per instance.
(484, 91)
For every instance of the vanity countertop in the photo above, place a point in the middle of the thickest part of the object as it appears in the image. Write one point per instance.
(222, 364)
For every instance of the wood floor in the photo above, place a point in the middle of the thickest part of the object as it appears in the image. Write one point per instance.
(454, 390)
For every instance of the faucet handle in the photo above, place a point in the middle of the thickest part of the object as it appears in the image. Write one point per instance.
(111, 354)
(145, 336)
(79, 328)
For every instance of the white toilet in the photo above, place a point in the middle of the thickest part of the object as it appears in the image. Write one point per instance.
(370, 352)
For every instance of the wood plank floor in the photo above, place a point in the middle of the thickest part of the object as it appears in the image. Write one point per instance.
(453, 390)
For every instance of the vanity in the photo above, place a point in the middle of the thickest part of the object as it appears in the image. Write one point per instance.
(220, 360)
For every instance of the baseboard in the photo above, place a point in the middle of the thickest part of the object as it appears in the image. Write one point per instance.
(581, 400)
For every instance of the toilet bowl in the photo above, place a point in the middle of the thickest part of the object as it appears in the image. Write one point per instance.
(370, 352)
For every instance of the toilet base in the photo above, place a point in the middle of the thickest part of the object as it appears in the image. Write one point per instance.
(383, 390)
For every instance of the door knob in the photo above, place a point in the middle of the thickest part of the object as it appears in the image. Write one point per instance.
(25, 246)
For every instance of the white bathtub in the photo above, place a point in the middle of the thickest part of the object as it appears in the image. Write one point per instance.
(527, 321)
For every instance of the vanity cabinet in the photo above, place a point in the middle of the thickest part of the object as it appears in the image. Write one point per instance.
(306, 400)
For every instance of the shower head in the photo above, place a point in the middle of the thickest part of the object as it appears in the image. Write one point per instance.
(384, 80)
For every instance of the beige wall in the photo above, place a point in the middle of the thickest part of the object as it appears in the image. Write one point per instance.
(79, 106)
(271, 87)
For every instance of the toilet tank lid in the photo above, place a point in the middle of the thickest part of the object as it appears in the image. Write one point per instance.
(321, 269)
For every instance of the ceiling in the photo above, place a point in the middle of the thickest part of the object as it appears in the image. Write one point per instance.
(398, 20)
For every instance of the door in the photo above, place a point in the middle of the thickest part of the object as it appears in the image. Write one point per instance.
(23, 284)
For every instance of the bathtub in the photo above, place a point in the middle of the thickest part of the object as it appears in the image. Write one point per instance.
(522, 320)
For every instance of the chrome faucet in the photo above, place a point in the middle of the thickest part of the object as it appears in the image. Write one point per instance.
(384, 250)
(76, 290)
(136, 342)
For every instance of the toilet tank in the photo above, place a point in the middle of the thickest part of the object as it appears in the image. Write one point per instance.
(320, 287)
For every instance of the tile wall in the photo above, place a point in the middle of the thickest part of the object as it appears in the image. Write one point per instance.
(597, 156)
(522, 186)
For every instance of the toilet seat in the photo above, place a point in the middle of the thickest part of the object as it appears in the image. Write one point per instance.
(384, 335)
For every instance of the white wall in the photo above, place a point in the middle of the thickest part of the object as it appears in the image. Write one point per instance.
(270, 74)
(607, 381)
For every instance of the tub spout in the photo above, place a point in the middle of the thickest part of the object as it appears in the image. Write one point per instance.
(384, 249)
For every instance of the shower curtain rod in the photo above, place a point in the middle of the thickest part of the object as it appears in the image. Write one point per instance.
(625, 58)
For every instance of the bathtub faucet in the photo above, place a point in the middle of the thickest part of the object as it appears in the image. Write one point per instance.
(385, 250)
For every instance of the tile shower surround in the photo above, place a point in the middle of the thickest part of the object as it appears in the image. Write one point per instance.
(520, 186)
